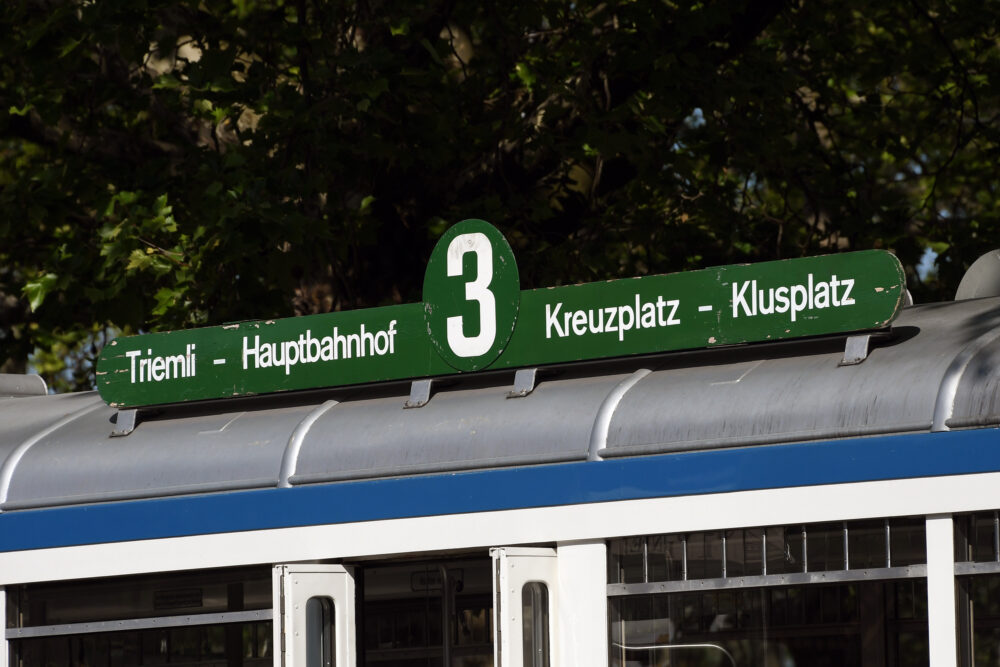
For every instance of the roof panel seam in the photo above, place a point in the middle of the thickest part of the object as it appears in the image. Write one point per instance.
(290, 458)
(944, 406)
(602, 421)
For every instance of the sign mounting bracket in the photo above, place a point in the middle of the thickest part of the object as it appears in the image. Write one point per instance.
(855, 350)
(524, 382)
(125, 422)
(857, 347)
(420, 393)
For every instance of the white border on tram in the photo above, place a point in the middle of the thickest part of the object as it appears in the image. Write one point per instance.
(549, 525)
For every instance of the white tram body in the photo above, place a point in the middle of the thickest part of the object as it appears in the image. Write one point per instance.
(763, 504)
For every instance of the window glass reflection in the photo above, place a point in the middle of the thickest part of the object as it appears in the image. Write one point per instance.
(202, 645)
(535, 624)
(979, 619)
(814, 626)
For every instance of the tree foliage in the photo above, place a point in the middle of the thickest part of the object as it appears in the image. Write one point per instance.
(180, 163)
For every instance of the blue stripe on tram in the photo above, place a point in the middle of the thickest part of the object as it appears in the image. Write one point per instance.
(667, 475)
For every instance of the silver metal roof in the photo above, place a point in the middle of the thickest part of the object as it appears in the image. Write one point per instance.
(940, 370)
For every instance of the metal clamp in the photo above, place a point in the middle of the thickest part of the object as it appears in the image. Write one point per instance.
(855, 350)
(125, 422)
(524, 382)
(420, 393)
(858, 347)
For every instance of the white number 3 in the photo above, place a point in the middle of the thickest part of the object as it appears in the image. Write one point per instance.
(477, 290)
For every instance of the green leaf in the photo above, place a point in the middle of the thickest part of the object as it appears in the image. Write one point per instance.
(138, 261)
(524, 75)
(37, 290)
(69, 47)
(166, 298)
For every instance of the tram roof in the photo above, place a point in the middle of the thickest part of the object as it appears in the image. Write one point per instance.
(939, 369)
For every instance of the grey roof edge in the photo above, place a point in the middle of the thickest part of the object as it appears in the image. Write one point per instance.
(108, 496)
(972, 422)
(764, 439)
(414, 469)
(10, 465)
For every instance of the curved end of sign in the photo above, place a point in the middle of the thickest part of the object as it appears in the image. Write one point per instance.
(894, 282)
(903, 297)
(103, 386)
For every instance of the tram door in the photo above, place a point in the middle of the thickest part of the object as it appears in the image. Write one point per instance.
(316, 624)
(428, 613)
(525, 598)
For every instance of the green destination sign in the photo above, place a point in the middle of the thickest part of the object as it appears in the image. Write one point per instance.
(475, 316)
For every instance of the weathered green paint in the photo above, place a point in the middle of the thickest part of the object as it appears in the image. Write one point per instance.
(411, 355)
(697, 309)
(704, 313)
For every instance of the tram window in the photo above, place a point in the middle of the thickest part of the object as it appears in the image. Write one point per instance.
(744, 551)
(825, 547)
(765, 607)
(704, 555)
(666, 557)
(754, 627)
(144, 610)
(320, 648)
(207, 645)
(408, 614)
(977, 538)
(142, 596)
(908, 623)
(784, 549)
(878, 543)
(867, 544)
(908, 541)
(628, 560)
(979, 630)
(535, 624)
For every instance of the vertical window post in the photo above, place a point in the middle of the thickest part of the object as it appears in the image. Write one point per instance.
(996, 536)
(805, 550)
(684, 558)
(941, 591)
(4, 651)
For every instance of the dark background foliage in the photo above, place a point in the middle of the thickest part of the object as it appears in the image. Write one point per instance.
(192, 162)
